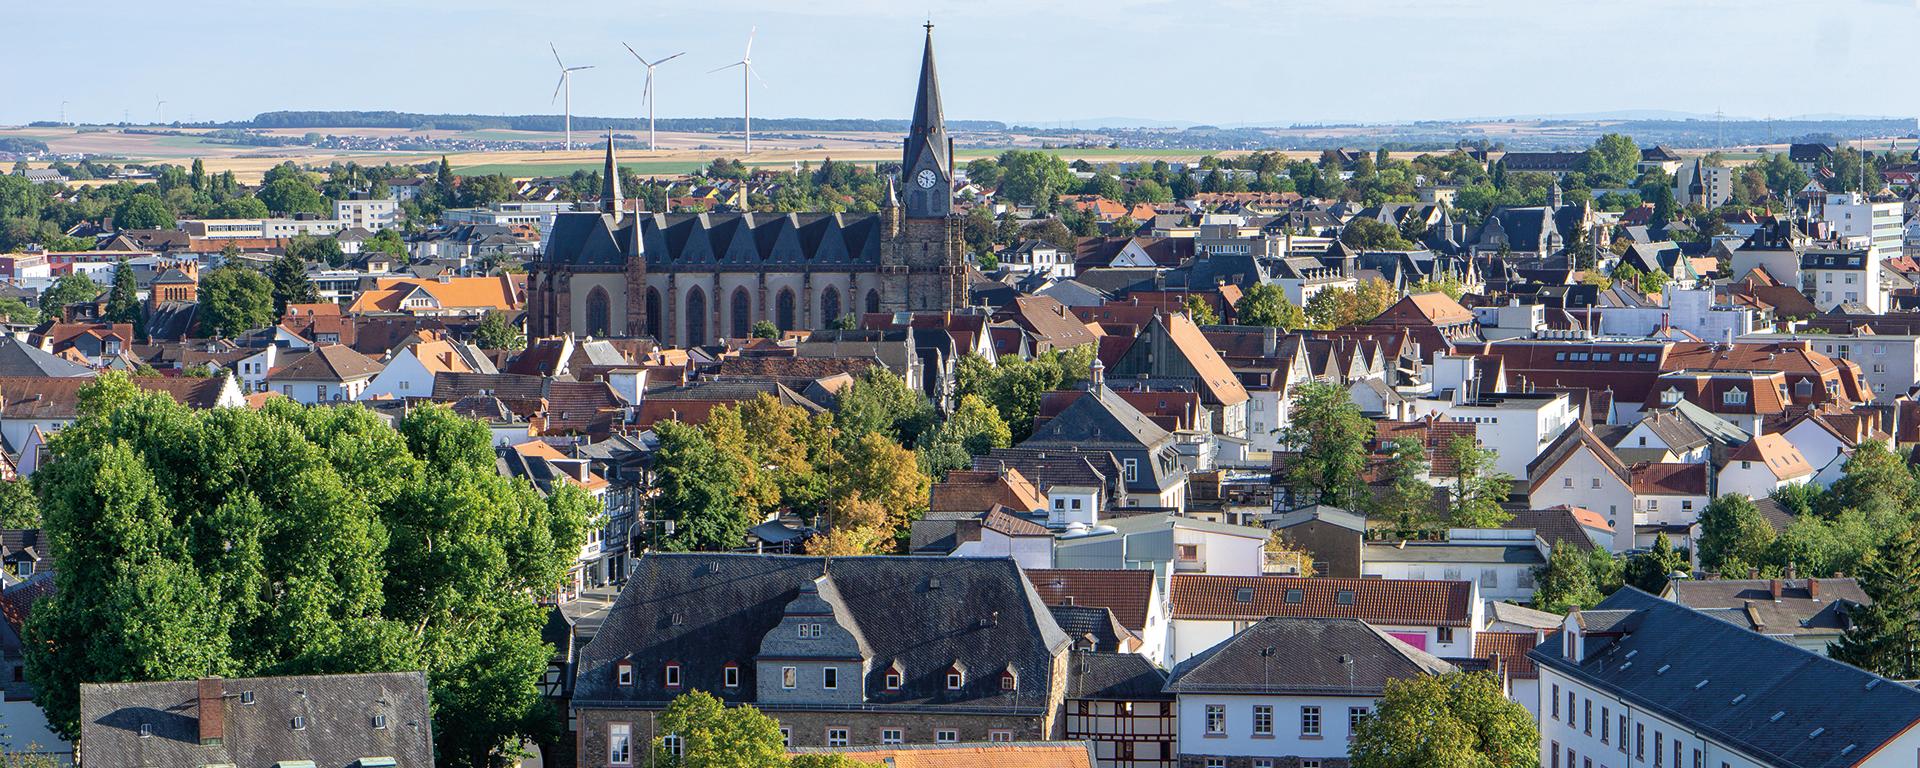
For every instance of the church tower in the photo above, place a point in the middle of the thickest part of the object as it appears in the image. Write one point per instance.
(923, 257)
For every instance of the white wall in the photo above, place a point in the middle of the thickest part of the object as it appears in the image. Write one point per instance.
(1753, 480)
(1574, 736)
(1191, 636)
(1286, 740)
(404, 377)
(1028, 551)
(1509, 582)
(1611, 498)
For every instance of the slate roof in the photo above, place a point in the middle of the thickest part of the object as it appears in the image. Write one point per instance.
(1396, 602)
(1764, 697)
(750, 241)
(1797, 611)
(18, 358)
(1092, 625)
(1322, 512)
(1306, 658)
(337, 728)
(1125, 592)
(925, 614)
(1114, 676)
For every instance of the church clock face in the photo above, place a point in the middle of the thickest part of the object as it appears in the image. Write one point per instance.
(927, 179)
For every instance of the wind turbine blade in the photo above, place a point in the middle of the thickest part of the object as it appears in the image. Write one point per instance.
(557, 86)
(729, 66)
(636, 54)
(756, 76)
(750, 34)
(556, 56)
(576, 69)
(646, 94)
(670, 58)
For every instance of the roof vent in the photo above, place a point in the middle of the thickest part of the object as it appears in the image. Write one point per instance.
(1632, 653)
(1816, 732)
(1739, 698)
(1626, 666)
(678, 618)
(246, 697)
(146, 730)
(933, 583)
(1848, 748)
(1243, 595)
(299, 722)
(1872, 683)
(1776, 716)
(379, 722)
(1663, 669)
(1702, 684)
(713, 567)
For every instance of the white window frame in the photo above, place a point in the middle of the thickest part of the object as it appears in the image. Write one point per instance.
(837, 741)
(945, 735)
(1216, 720)
(620, 743)
(893, 736)
(830, 678)
(789, 678)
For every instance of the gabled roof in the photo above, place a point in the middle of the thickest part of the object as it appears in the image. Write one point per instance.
(330, 363)
(17, 358)
(1576, 438)
(1798, 607)
(1509, 650)
(1394, 602)
(1128, 593)
(1669, 479)
(1774, 452)
(1114, 676)
(1778, 704)
(1284, 655)
(966, 490)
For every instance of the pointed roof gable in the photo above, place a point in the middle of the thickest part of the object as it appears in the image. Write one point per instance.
(929, 131)
(1578, 436)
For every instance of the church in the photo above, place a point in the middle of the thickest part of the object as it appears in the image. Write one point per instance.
(690, 279)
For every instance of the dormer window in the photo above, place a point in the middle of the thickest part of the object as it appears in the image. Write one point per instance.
(1734, 397)
(673, 675)
(1671, 396)
(955, 678)
(895, 678)
(623, 673)
(730, 675)
(1009, 681)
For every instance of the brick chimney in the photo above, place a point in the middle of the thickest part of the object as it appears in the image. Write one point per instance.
(213, 711)
(1774, 586)
(1813, 588)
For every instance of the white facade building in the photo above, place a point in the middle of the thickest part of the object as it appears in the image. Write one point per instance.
(370, 215)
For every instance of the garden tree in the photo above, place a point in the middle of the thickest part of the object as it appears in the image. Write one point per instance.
(1409, 492)
(70, 288)
(386, 241)
(1031, 177)
(123, 298)
(1733, 536)
(879, 470)
(1050, 231)
(972, 429)
(794, 449)
(1819, 546)
(234, 300)
(1479, 487)
(879, 401)
(1200, 310)
(1282, 551)
(19, 508)
(714, 735)
(854, 526)
(1613, 161)
(1565, 582)
(323, 250)
(698, 492)
(292, 194)
(1371, 235)
(288, 276)
(1329, 435)
(240, 208)
(1336, 307)
(143, 211)
(765, 329)
(1448, 284)
(1649, 571)
(1885, 636)
(497, 332)
(1266, 304)
(1013, 386)
(1873, 474)
(290, 540)
(1455, 719)
(13, 310)
(756, 487)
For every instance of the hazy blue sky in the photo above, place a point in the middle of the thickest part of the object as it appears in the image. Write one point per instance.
(1032, 61)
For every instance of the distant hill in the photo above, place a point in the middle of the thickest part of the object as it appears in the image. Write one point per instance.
(418, 121)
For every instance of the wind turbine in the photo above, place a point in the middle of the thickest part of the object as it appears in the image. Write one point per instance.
(746, 91)
(566, 84)
(647, 95)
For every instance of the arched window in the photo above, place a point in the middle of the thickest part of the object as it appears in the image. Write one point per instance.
(653, 313)
(829, 306)
(783, 310)
(873, 300)
(597, 320)
(696, 318)
(742, 314)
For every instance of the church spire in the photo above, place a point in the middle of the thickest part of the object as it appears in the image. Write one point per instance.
(610, 183)
(926, 162)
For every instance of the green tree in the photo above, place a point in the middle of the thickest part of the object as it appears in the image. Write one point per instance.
(765, 329)
(19, 508)
(234, 300)
(1329, 435)
(1649, 571)
(879, 401)
(71, 288)
(1371, 235)
(1565, 582)
(1409, 490)
(293, 194)
(123, 299)
(1265, 304)
(1200, 310)
(1733, 536)
(1030, 177)
(1885, 636)
(143, 211)
(288, 276)
(1014, 387)
(973, 428)
(290, 540)
(1613, 161)
(698, 492)
(880, 471)
(1456, 719)
(241, 208)
(1873, 474)
(1478, 487)
(496, 332)
(13, 310)
(713, 735)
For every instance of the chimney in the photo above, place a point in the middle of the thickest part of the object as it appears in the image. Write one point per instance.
(1790, 570)
(1774, 586)
(1097, 375)
(1813, 588)
(213, 711)
(1753, 573)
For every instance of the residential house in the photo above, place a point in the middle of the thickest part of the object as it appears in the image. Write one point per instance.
(410, 372)
(37, 404)
(1132, 596)
(372, 719)
(1439, 617)
(441, 297)
(1165, 543)
(1765, 464)
(1171, 347)
(1810, 613)
(323, 374)
(1288, 691)
(1638, 676)
(545, 467)
(1579, 470)
(1117, 703)
(1500, 561)
(1103, 421)
(847, 652)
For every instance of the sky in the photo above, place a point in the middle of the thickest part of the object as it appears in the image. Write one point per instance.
(1032, 62)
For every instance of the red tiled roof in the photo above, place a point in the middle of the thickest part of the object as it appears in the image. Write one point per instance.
(1395, 602)
(1512, 648)
(1667, 479)
(1124, 592)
